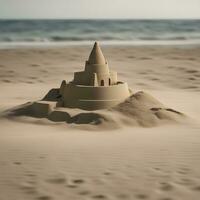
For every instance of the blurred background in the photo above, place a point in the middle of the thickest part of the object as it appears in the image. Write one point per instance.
(138, 22)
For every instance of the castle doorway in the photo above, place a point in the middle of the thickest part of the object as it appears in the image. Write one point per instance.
(102, 82)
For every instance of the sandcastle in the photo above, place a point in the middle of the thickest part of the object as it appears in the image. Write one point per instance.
(94, 88)
(101, 97)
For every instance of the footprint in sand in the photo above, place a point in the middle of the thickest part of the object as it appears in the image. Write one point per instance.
(28, 188)
(156, 168)
(6, 81)
(75, 183)
(154, 79)
(197, 75)
(192, 78)
(17, 163)
(29, 82)
(70, 185)
(78, 181)
(191, 87)
(192, 71)
(196, 188)
(131, 57)
(35, 65)
(57, 179)
(191, 58)
(166, 186)
(107, 173)
(84, 192)
(141, 196)
(99, 196)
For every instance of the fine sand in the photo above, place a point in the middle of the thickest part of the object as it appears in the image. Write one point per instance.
(148, 147)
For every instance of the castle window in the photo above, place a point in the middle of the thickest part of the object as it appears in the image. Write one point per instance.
(109, 81)
(102, 82)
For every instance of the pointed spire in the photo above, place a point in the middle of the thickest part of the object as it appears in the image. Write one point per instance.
(96, 55)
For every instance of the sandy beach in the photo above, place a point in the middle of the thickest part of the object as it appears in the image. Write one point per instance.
(44, 160)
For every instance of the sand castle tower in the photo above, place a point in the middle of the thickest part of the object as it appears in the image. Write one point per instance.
(94, 88)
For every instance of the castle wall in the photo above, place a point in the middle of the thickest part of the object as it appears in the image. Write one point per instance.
(88, 78)
(92, 98)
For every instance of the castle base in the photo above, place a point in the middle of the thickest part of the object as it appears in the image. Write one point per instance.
(93, 98)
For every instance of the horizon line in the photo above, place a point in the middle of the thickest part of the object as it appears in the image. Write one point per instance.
(100, 19)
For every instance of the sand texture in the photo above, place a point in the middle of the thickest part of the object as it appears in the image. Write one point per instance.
(147, 147)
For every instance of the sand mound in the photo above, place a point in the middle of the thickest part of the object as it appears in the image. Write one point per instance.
(144, 110)
(140, 109)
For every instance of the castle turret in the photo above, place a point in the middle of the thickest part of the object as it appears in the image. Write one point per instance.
(96, 72)
(97, 63)
(96, 55)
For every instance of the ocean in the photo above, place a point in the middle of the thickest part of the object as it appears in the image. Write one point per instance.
(77, 32)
